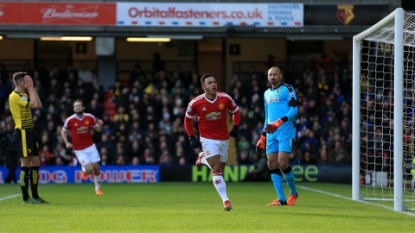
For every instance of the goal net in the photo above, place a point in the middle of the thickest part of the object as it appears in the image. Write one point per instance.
(384, 112)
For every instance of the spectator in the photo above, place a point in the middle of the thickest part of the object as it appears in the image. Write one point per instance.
(104, 156)
(260, 172)
(158, 63)
(59, 161)
(243, 144)
(244, 158)
(308, 158)
(137, 75)
(336, 154)
(180, 155)
(165, 158)
(85, 74)
(108, 146)
(134, 149)
(95, 108)
(120, 159)
(148, 156)
(165, 123)
(7, 152)
(135, 161)
(295, 157)
(323, 159)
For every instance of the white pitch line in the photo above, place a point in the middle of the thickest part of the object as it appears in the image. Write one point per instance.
(9, 197)
(348, 198)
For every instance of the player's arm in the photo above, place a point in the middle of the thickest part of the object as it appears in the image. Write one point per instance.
(236, 116)
(293, 104)
(266, 115)
(236, 120)
(189, 127)
(16, 99)
(292, 112)
(34, 102)
(65, 138)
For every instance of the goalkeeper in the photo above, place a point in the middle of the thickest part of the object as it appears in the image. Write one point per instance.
(278, 136)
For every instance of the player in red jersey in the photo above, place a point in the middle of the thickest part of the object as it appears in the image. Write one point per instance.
(212, 109)
(79, 125)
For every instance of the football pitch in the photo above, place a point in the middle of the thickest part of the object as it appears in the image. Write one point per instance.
(194, 207)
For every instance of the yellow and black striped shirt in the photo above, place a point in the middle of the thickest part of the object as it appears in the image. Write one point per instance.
(22, 115)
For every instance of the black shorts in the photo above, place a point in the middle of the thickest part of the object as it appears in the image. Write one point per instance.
(25, 143)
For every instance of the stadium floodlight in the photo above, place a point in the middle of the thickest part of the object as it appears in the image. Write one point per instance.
(384, 111)
(66, 38)
(147, 39)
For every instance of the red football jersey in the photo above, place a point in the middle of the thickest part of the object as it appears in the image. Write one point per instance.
(81, 130)
(212, 115)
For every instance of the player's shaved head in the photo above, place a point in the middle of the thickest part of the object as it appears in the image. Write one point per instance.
(274, 68)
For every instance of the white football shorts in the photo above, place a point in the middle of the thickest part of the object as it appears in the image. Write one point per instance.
(212, 147)
(88, 155)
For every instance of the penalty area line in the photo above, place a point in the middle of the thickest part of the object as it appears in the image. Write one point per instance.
(350, 199)
(9, 197)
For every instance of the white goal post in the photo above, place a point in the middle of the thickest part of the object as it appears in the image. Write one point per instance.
(383, 144)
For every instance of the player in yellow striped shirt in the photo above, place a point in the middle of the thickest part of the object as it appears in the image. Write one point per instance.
(24, 98)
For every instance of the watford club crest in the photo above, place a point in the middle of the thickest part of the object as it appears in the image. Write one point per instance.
(345, 14)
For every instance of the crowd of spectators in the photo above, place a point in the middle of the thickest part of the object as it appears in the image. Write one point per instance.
(147, 125)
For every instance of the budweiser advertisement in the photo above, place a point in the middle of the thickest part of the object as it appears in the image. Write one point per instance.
(53, 13)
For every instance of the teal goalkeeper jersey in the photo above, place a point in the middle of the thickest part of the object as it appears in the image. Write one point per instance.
(280, 102)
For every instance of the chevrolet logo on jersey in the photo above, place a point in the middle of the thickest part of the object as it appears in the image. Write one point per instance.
(213, 116)
(82, 129)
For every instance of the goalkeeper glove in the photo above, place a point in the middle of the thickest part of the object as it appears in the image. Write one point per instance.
(272, 127)
(193, 142)
(260, 146)
(234, 132)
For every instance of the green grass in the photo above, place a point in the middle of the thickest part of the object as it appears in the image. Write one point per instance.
(194, 207)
